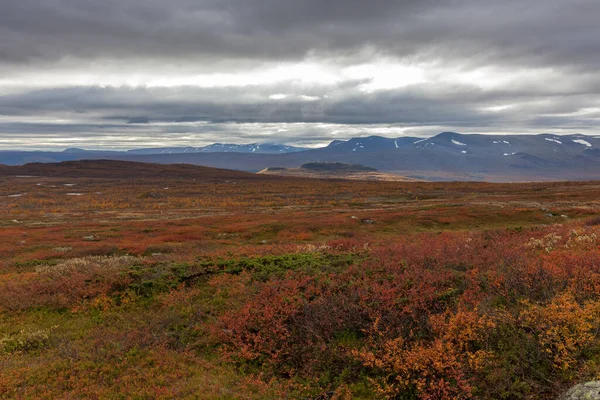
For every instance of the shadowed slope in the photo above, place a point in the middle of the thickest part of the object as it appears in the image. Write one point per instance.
(122, 169)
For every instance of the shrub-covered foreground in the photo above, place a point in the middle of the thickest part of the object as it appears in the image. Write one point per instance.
(492, 314)
(502, 314)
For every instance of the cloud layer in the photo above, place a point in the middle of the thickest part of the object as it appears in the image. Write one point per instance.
(148, 72)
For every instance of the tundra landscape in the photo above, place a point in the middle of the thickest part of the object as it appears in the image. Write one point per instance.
(133, 280)
(300, 199)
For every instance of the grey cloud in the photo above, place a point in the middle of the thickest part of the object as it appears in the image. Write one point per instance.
(192, 110)
(39, 37)
(433, 103)
(473, 32)
(247, 104)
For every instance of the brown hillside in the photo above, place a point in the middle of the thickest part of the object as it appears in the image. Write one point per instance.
(122, 170)
(327, 170)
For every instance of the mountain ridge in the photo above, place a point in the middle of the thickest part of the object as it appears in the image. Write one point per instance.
(446, 156)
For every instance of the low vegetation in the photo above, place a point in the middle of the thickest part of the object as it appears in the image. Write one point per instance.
(336, 289)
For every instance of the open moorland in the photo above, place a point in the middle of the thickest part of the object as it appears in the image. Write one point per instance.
(324, 170)
(129, 280)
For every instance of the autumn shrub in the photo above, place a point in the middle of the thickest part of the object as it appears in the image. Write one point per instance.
(563, 328)
(310, 322)
(454, 313)
(297, 326)
(419, 371)
(442, 364)
(150, 280)
(66, 283)
(25, 340)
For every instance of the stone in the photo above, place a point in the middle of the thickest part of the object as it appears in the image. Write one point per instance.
(583, 391)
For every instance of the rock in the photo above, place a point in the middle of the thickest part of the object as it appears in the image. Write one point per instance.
(583, 391)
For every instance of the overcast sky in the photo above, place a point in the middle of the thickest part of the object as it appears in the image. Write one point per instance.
(136, 73)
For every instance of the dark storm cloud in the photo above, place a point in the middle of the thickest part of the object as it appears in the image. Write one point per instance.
(533, 32)
(197, 29)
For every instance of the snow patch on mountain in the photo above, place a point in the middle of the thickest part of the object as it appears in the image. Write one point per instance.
(553, 140)
(456, 142)
(583, 142)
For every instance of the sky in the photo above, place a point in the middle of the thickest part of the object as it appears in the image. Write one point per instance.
(119, 74)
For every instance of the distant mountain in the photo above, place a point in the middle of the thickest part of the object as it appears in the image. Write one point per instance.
(16, 157)
(446, 156)
(369, 144)
(265, 148)
(77, 150)
(457, 143)
(451, 155)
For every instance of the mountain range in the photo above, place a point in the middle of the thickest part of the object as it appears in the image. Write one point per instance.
(446, 156)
